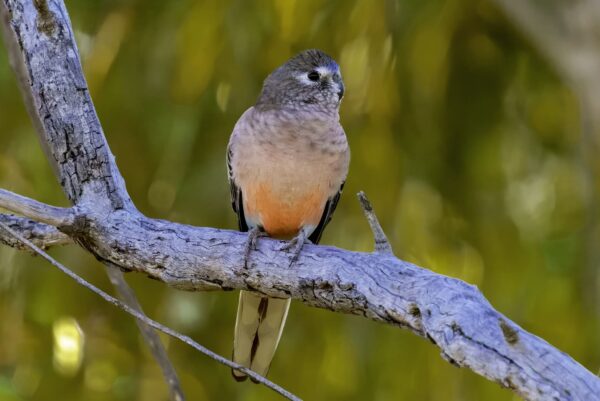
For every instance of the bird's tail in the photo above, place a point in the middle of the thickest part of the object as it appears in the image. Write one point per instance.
(258, 328)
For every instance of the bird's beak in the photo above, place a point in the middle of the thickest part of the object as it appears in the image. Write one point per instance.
(340, 92)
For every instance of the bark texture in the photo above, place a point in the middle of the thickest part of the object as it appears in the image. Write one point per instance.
(450, 313)
(44, 56)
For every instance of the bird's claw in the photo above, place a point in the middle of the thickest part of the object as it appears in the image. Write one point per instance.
(253, 236)
(295, 246)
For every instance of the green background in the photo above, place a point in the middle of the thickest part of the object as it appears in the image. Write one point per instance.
(462, 135)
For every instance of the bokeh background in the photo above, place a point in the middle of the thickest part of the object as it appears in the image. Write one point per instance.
(463, 136)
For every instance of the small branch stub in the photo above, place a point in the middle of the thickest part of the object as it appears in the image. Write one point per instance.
(382, 245)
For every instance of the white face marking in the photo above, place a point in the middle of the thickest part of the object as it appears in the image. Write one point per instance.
(303, 78)
(323, 72)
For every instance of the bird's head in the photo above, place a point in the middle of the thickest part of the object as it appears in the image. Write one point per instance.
(310, 80)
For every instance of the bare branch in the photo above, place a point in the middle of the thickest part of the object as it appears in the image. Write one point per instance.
(45, 236)
(42, 235)
(146, 320)
(55, 216)
(20, 70)
(158, 351)
(382, 245)
(452, 314)
(55, 123)
(44, 55)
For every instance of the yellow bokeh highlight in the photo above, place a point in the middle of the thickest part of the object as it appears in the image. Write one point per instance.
(222, 95)
(68, 346)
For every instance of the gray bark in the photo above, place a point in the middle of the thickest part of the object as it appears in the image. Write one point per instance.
(44, 56)
(41, 235)
(450, 313)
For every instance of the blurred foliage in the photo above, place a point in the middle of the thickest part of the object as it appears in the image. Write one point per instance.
(462, 136)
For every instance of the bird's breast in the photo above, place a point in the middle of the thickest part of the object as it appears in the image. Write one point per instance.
(283, 191)
(283, 213)
(287, 170)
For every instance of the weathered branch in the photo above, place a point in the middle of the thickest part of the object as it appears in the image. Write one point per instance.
(381, 242)
(127, 295)
(55, 216)
(42, 235)
(80, 177)
(45, 236)
(450, 313)
(146, 321)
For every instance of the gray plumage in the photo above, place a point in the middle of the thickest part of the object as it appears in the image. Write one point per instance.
(286, 88)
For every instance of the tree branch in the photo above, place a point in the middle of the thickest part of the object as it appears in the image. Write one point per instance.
(82, 167)
(55, 216)
(160, 354)
(450, 313)
(42, 235)
(147, 321)
(382, 244)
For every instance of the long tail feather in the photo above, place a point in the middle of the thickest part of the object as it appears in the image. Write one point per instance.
(258, 329)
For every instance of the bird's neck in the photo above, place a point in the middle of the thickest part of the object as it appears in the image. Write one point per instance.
(305, 110)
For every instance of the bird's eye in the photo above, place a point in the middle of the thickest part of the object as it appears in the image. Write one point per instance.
(314, 76)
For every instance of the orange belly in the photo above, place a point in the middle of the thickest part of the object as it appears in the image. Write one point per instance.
(283, 215)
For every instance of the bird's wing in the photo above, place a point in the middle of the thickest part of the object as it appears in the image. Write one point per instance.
(330, 206)
(236, 194)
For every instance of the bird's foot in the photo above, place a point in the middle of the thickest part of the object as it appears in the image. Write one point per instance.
(253, 235)
(295, 245)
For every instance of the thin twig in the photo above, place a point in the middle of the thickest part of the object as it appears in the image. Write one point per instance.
(382, 245)
(150, 336)
(38, 211)
(258, 378)
(45, 236)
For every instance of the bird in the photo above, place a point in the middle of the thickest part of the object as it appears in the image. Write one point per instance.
(287, 162)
